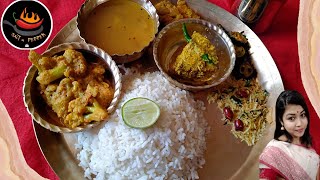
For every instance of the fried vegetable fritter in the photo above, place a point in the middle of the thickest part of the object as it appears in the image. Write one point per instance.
(244, 68)
(169, 12)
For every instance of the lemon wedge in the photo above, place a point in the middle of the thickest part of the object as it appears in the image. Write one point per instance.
(140, 112)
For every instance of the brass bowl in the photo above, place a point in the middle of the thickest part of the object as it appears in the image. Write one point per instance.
(89, 6)
(170, 39)
(38, 108)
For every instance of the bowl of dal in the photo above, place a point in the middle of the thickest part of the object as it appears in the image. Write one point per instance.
(122, 28)
(203, 61)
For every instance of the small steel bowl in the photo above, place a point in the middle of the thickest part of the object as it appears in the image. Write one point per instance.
(38, 108)
(89, 6)
(171, 38)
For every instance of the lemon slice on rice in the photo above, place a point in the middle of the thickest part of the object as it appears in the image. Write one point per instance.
(140, 112)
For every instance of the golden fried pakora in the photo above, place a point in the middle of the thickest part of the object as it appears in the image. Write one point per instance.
(169, 12)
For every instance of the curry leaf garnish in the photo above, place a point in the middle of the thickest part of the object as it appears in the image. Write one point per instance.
(206, 58)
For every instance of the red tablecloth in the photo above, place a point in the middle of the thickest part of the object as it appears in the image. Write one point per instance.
(280, 39)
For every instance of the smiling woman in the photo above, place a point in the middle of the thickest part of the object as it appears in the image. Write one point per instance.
(290, 154)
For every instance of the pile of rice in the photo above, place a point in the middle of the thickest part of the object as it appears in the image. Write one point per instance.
(173, 148)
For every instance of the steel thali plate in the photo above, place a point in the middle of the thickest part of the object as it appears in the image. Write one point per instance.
(226, 157)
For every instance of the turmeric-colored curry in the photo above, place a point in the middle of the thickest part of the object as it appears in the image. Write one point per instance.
(197, 61)
(119, 27)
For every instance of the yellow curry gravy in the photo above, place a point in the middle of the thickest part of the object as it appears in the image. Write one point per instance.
(119, 27)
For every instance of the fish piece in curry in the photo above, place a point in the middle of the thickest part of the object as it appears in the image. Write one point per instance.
(197, 61)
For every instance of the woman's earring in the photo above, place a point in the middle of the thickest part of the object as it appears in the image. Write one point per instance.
(282, 128)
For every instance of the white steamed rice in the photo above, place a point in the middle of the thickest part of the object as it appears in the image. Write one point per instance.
(173, 148)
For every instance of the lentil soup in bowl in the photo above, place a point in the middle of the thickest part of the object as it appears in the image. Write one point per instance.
(123, 28)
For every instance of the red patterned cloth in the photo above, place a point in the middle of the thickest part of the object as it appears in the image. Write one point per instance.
(292, 162)
(268, 174)
(280, 39)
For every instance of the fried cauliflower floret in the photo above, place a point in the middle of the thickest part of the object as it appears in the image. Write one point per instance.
(34, 59)
(47, 92)
(73, 120)
(71, 64)
(100, 88)
(95, 71)
(47, 62)
(185, 10)
(77, 91)
(77, 65)
(89, 105)
(85, 109)
(104, 92)
(168, 12)
(60, 99)
(76, 109)
(49, 69)
(95, 112)
(47, 76)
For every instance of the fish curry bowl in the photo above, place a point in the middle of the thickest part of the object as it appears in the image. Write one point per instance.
(194, 54)
(122, 28)
(71, 87)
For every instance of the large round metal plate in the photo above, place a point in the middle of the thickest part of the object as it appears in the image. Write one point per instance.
(226, 157)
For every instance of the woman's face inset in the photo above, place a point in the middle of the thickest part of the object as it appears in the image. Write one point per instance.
(295, 121)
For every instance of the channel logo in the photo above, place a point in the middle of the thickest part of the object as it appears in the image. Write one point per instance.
(26, 24)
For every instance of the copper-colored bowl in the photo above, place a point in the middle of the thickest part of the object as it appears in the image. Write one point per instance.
(171, 38)
(90, 5)
(38, 108)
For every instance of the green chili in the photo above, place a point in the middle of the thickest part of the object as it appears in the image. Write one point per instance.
(206, 58)
(236, 100)
(185, 33)
(248, 83)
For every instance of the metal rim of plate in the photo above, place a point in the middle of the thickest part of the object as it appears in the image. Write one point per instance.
(65, 164)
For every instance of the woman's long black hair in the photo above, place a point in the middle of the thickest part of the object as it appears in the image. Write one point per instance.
(295, 98)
